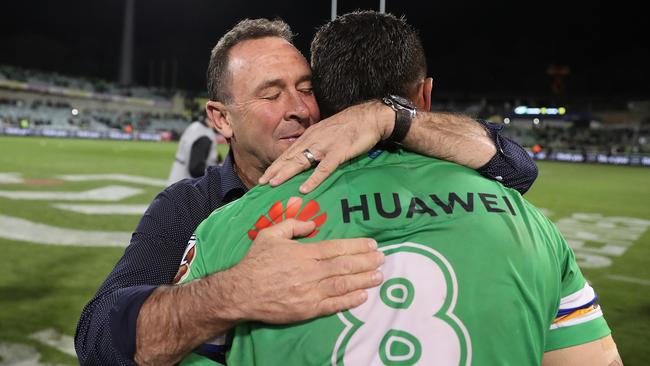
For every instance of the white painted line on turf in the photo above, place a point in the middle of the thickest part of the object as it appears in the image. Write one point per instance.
(108, 193)
(18, 354)
(595, 238)
(14, 228)
(56, 340)
(107, 209)
(10, 178)
(115, 177)
(14, 354)
(638, 281)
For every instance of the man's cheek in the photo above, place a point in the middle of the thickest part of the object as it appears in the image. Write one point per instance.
(269, 116)
(314, 110)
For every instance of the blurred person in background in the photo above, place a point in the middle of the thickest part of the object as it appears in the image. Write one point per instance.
(196, 151)
(260, 85)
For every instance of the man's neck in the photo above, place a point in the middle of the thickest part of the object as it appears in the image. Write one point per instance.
(246, 170)
(249, 180)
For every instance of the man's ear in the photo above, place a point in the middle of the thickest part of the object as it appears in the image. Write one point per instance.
(427, 86)
(217, 115)
(422, 94)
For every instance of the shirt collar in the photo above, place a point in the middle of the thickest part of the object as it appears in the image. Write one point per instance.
(231, 185)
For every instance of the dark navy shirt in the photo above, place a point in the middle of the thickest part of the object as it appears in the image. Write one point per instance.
(511, 165)
(106, 330)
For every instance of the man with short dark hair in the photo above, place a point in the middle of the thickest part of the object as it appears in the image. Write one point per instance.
(338, 57)
(263, 104)
(473, 273)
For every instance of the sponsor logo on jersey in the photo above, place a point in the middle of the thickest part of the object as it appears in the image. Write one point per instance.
(186, 262)
(293, 209)
(407, 206)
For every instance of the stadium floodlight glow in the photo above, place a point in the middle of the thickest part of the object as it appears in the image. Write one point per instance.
(75, 111)
(533, 111)
(522, 109)
(552, 111)
(506, 120)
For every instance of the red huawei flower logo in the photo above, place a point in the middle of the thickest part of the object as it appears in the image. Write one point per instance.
(308, 213)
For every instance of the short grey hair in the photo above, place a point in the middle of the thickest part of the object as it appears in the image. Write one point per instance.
(247, 29)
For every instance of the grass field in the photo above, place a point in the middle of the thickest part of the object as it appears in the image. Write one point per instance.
(603, 210)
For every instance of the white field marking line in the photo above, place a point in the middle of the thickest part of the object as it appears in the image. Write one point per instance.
(56, 340)
(115, 177)
(106, 209)
(108, 193)
(638, 281)
(19, 354)
(10, 178)
(14, 228)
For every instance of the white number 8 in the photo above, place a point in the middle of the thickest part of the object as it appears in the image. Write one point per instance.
(409, 319)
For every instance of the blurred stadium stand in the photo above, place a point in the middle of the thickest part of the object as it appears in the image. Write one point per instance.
(49, 104)
(596, 130)
(47, 80)
(599, 130)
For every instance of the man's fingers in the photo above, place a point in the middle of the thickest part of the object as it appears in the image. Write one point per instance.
(288, 229)
(272, 171)
(277, 166)
(351, 264)
(268, 174)
(291, 163)
(333, 305)
(286, 170)
(337, 247)
(323, 170)
(341, 285)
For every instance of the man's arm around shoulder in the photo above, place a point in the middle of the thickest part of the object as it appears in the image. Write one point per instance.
(107, 326)
(279, 281)
(452, 137)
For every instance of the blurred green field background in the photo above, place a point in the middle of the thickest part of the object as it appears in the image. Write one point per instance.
(45, 286)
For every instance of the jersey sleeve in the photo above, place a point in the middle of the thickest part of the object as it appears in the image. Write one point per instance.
(579, 318)
(192, 265)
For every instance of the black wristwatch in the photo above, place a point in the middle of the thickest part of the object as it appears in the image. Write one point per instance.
(405, 112)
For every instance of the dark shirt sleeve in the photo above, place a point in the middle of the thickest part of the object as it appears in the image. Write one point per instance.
(199, 155)
(511, 165)
(106, 331)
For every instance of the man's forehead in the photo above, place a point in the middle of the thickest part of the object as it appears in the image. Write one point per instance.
(263, 52)
(271, 60)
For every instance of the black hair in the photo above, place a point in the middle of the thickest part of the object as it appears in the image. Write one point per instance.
(365, 55)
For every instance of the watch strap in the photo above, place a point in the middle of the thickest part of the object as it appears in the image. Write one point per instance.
(403, 120)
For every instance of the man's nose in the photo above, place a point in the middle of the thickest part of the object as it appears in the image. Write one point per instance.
(298, 109)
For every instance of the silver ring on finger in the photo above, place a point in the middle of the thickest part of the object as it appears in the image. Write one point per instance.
(310, 157)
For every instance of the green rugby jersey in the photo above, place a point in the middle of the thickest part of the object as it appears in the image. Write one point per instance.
(474, 274)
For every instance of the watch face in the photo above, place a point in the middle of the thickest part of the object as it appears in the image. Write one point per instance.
(402, 101)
